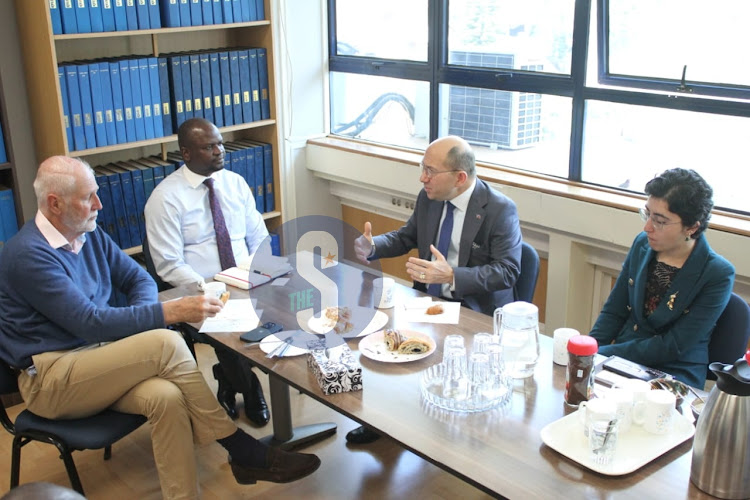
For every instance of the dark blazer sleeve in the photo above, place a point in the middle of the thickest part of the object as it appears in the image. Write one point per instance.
(411, 234)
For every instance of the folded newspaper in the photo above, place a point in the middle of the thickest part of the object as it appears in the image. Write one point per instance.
(255, 271)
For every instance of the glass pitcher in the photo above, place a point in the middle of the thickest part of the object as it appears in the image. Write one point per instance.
(516, 326)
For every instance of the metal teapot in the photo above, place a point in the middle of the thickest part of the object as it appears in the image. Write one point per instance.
(721, 447)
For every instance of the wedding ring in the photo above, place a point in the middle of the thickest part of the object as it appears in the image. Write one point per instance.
(421, 276)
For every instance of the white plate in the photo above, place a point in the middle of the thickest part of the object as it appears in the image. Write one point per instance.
(365, 321)
(635, 448)
(271, 342)
(373, 347)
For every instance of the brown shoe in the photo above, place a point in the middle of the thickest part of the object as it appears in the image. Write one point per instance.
(281, 467)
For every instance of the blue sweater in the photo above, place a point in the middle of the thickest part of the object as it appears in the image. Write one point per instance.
(52, 299)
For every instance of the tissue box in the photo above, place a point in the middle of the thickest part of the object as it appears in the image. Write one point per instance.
(336, 369)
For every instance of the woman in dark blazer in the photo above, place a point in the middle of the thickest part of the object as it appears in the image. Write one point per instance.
(673, 286)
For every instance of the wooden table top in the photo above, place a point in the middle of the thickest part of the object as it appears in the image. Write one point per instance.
(499, 451)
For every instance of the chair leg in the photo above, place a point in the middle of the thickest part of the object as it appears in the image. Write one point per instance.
(15, 462)
(108, 452)
(70, 466)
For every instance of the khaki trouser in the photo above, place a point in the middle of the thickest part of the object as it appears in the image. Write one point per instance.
(152, 374)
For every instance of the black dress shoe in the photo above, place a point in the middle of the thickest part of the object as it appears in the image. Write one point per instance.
(361, 435)
(225, 394)
(256, 408)
(281, 467)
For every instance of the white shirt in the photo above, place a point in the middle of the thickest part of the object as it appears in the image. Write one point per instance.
(55, 237)
(461, 203)
(180, 226)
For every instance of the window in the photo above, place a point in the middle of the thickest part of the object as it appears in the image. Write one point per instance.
(585, 90)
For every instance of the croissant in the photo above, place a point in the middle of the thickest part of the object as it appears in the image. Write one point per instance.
(393, 339)
(413, 346)
(433, 310)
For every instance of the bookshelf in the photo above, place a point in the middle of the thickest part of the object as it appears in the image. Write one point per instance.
(43, 51)
(8, 176)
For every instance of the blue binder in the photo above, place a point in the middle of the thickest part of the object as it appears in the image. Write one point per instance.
(207, 12)
(215, 79)
(237, 11)
(55, 17)
(118, 206)
(3, 152)
(121, 17)
(260, 203)
(228, 159)
(95, 13)
(216, 6)
(137, 97)
(245, 86)
(170, 13)
(87, 106)
(226, 11)
(264, 182)
(195, 82)
(8, 213)
(166, 108)
(107, 218)
(260, 10)
(196, 13)
(226, 89)
(234, 73)
(206, 92)
(187, 86)
(127, 100)
(185, 19)
(97, 103)
(65, 105)
(175, 161)
(147, 172)
(108, 102)
(158, 169)
(176, 91)
(131, 15)
(275, 244)
(117, 102)
(139, 193)
(147, 101)
(155, 87)
(141, 9)
(265, 101)
(154, 16)
(68, 17)
(83, 18)
(254, 82)
(76, 113)
(247, 10)
(108, 15)
(129, 200)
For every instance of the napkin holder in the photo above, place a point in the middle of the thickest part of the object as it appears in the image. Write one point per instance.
(335, 369)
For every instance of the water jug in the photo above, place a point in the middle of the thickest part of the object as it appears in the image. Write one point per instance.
(516, 325)
(721, 447)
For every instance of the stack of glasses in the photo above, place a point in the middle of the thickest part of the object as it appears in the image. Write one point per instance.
(468, 382)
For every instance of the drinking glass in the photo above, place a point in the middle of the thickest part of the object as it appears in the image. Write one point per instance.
(452, 341)
(481, 340)
(480, 377)
(455, 376)
(603, 441)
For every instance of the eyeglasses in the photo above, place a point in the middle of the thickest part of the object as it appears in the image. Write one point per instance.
(431, 172)
(658, 224)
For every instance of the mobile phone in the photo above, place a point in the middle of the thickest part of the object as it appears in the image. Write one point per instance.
(263, 331)
(631, 369)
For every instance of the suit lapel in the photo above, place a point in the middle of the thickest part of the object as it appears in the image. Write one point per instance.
(475, 213)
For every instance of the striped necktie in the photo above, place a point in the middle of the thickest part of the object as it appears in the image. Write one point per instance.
(223, 241)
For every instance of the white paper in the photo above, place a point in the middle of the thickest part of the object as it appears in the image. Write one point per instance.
(449, 316)
(236, 316)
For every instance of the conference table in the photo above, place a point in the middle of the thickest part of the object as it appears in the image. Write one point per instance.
(499, 451)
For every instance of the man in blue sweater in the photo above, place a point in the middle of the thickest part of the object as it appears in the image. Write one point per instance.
(77, 355)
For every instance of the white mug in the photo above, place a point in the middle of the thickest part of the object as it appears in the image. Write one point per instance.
(594, 410)
(382, 288)
(214, 289)
(623, 399)
(639, 389)
(560, 345)
(658, 408)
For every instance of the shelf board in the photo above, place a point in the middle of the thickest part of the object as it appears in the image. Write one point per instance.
(159, 31)
(164, 140)
(6, 166)
(271, 215)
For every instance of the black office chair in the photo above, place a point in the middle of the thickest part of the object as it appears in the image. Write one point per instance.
(90, 433)
(731, 334)
(151, 268)
(526, 283)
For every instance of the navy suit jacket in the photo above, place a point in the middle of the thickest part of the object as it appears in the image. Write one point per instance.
(674, 338)
(489, 255)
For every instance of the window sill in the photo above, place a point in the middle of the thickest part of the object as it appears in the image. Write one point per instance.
(720, 220)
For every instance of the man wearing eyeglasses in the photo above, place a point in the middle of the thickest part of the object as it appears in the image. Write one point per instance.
(483, 257)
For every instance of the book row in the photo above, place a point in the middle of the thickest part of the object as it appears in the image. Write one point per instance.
(8, 220)
(123, 100)
(94, 16)
(124, 186)
(3, 152)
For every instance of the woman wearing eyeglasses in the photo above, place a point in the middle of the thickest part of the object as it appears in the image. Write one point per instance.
(673, 286)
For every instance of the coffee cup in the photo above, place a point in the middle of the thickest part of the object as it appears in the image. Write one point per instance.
(214, 289)
(623, 399)
(560, 345)
(382, 289)
(658, 408)
(595, 410)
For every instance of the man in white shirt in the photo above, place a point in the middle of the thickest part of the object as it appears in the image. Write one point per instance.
(183, 241)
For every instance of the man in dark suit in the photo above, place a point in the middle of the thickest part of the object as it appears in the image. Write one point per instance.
(483, 257)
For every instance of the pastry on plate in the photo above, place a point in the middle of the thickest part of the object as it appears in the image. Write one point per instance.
(434, 310)
(224, 297)
(413, 345)
(393, 339)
